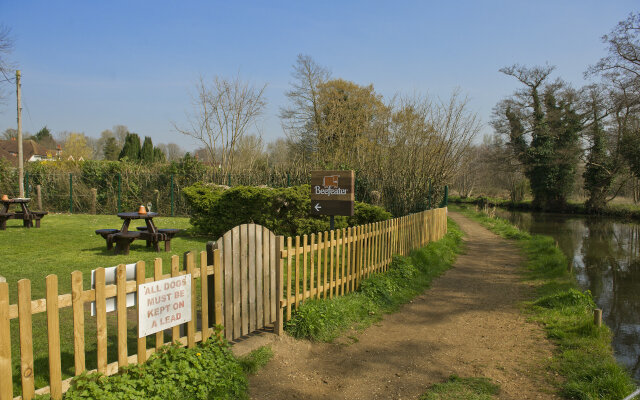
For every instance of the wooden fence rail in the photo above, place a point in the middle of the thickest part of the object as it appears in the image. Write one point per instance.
(287, 272)
(334, 263)
(77, 299)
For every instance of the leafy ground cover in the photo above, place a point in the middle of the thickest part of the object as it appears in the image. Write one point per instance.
(584, 357)
(207, 371)
(325, 319)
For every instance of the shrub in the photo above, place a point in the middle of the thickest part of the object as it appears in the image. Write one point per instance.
(285, 211)
(207, 371)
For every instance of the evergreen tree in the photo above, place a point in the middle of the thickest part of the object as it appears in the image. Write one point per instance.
(111, 151)
(146, 153)
(158, 155)
(45, 138)
(131, 148)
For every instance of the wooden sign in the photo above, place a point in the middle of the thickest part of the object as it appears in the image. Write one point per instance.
(332, 192)
(164, 304)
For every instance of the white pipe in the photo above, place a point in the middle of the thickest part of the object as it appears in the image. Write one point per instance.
(632, 395)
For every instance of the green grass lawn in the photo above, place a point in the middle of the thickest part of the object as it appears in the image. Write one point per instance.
(63, 244)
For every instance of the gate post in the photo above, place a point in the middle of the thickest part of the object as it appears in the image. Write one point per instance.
(278, 328)
(211, 246)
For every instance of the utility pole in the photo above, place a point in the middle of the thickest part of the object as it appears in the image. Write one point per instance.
(20, 152)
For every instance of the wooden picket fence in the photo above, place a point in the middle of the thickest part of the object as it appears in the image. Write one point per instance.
(54, 302)
(334, 263)
(257, 282)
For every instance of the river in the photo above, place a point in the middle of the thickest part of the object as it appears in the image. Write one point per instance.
(604, 254)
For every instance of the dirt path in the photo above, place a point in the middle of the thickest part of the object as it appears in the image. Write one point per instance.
(467, 324)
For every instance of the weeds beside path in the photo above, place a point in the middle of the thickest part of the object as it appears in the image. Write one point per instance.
(467, 324)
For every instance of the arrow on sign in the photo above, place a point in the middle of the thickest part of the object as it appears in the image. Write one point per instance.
(317, 207)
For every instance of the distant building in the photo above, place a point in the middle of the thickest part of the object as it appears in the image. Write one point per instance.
(31, 151)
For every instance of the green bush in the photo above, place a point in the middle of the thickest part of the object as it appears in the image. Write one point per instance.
(285, 211)
(207, 371)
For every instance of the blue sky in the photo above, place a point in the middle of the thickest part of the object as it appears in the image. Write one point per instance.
(88, 66)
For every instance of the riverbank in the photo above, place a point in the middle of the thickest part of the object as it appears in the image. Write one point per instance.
(468, 324)
(624, 211)
(583, 357)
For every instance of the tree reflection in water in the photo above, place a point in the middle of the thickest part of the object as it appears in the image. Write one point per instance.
(604, 254)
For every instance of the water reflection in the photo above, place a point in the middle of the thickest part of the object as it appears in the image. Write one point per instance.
(604, 254)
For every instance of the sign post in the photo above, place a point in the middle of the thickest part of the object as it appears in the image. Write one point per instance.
(332, 193)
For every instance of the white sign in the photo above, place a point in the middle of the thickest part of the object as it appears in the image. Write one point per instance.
(110, 279)
(164, 304)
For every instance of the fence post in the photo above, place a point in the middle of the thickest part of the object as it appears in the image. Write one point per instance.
(119, 192)
(156, 195)
(355, 189)
(172, 202)
(94, 200)
(445, 199)
(26, 183)
(211, 287)
(278, 328)
(39, 195)
(70, 193)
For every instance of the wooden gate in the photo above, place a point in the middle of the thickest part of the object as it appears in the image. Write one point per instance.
(248, 256)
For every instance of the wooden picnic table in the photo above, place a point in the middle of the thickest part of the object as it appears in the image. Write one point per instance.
(124, 237)
(24, 213)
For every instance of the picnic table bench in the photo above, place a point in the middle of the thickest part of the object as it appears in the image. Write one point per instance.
(27, 216)
(123, 237)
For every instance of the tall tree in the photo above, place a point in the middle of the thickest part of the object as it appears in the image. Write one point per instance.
(301, 118)
(598, 174)
(146, 152)
(45, 138)
(76, 145)
(9, 134)
(225, 110)
(158, 155)
(348, 113)
(543, 126)
(131, 148)
(110, 149)
(621, 70)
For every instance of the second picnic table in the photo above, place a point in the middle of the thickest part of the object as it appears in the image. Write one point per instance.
(123, 237)
(25, 214)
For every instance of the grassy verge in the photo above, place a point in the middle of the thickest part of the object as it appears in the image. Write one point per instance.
(324, 320)
(584, 357)
(258, 358)
(456, 388)
(626, 211)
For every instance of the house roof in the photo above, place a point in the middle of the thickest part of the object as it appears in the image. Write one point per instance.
(9, 150)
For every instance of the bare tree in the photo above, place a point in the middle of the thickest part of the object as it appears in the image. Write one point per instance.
(301, 119)
(6, 67)
(171, 151)
(120, 132)
(223, 112)
(624, 50)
